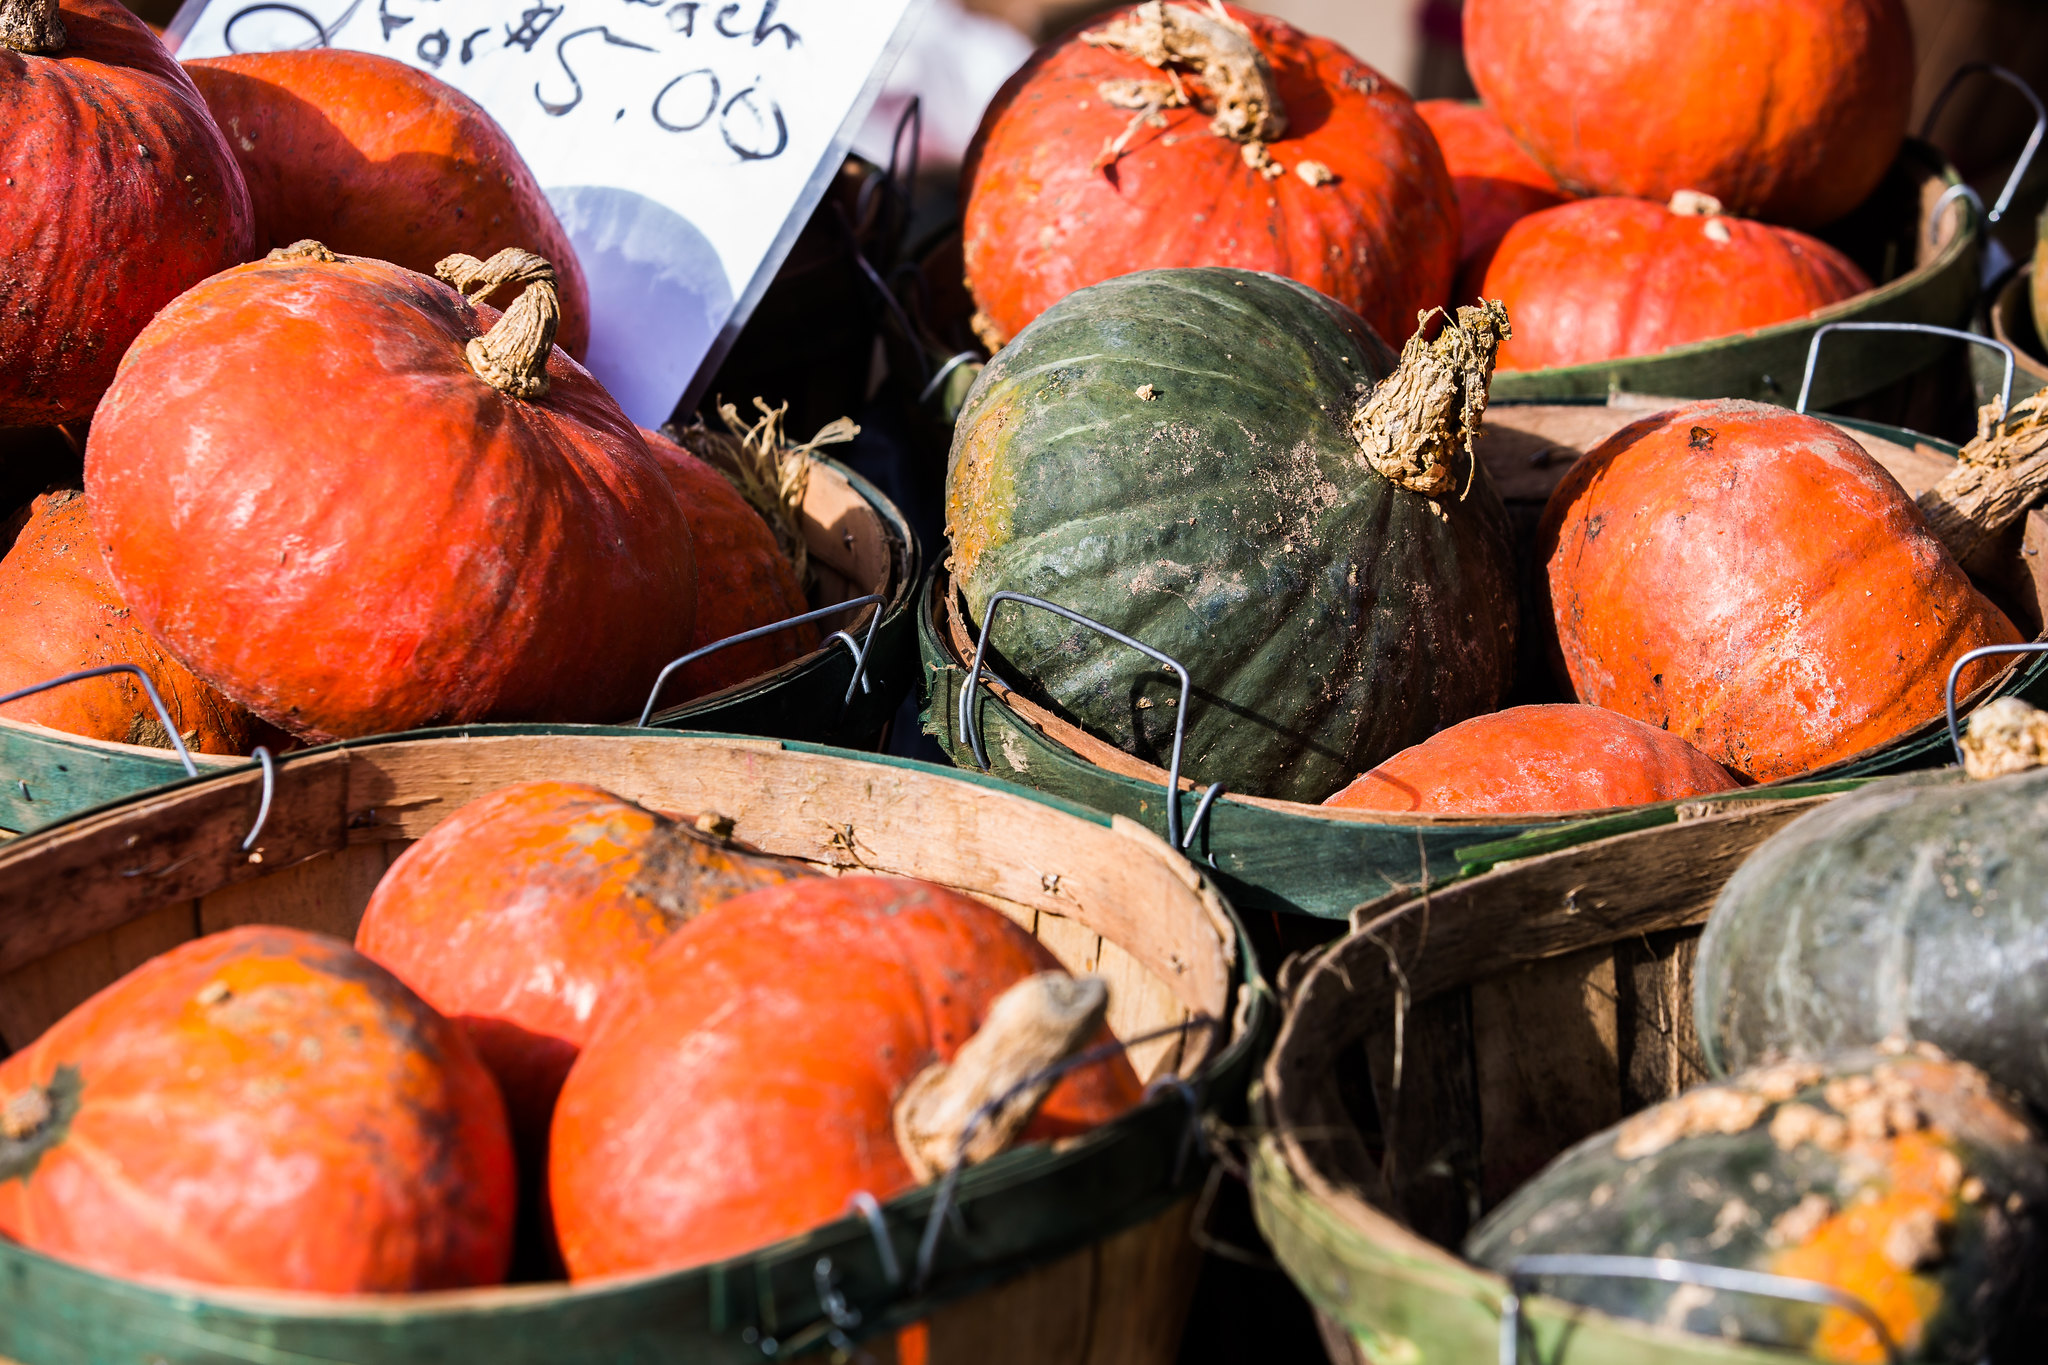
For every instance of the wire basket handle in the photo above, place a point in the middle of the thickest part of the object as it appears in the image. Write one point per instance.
(1926, 329)
(149, 689)
(860, 651)
(2020, 168)
(1955, 733)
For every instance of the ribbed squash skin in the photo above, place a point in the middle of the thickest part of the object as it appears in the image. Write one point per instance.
(118, 195)
(1916, 908)
(1497, 182)
(1606, 278)
(265, 1108)
(1754, 582)
(1329, 617)
(60, 613)
(1537, 758)
(744, 1089)
(377, 159)
(1044, 219)
(360, 535)
(743, 578)
(1785, 110)
(518, 914)
(1927, 1190)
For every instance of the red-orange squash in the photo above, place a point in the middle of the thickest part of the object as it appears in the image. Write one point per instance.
(1604, 278)
(743, 578)
(116, 194)
(308, 493)
(1751, 580)
(1358, 204)
(264, 1108)
(1537, 758)
(1498, 183)
(59, 614)
(375, 158)
(742, 1092)
(519, 913)
(1785, 110)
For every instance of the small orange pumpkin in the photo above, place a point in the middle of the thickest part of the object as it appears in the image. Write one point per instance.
(59, 613)
(378, 159)
(1533, 759)
(1751, 580)
(743, 1088)
(265, 1108)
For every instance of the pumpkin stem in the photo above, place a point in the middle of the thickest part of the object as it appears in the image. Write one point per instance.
(513, 356)
(1243, 98)
(2001, 473)
(1413, 420)
(2005, 736)
(769, 470)
(31, 26)
(23, 1114)
(1040, 1021)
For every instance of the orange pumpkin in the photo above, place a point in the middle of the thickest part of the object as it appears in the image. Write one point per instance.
(1497, 182)
(264, 1108)
(1785, 110)
(1751, 580)
(519, 913)
(1604, 278)
(321, 484)
(118, 195)
(59, 614)
(1537, 758)
(375, 158)
(743, 578)
(1293, 158)
(743, 1089)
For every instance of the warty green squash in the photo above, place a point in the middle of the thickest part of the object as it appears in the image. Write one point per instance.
(1233, 469)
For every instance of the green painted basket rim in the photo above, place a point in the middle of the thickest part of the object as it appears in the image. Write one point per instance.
(1468, 844)
(773, 1291)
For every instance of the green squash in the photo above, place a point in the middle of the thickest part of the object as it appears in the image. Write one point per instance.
(1173, 454)
(1903, 1179)
(1916, 908)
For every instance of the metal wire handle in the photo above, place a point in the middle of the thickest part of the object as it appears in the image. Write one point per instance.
(149, 689)
(262, 756)
(1180, 719)
(1671, 1271)
(1926, 328)
(1955, 734)
(860, 651)
(2019, 170)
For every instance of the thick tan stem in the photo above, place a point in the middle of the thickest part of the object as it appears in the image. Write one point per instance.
(2001, 473)
(23, 1114)
(769, 470)
(1035, 1024)
(1414, 421)
(2005, 736)
(305, 249)
(513, 356)
(1243, 98)
(31, 26)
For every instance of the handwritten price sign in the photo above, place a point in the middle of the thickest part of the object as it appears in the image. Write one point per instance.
(684, 143)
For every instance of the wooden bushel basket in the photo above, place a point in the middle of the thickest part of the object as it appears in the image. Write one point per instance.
(1532, 1007)
(1315, 860)
(1079, 1252)
(859, 544)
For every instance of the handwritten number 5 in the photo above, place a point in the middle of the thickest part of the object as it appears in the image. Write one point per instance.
(561, 56)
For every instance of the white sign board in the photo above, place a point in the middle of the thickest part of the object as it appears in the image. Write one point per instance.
(683, 143)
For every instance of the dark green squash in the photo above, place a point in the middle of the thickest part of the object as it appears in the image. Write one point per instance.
(1901, 1178)
(1915, 908)
(1172, 453)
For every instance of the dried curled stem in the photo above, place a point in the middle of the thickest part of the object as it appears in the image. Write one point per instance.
(2005, 736)
(772, 473)
(305, 249)
(513, 356)
(32, 26)
(1037, 1023)
(2001, 473)
(1431, 405)
(1241, 96)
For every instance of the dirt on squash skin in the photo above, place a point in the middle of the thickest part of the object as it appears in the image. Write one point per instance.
(980, 488)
